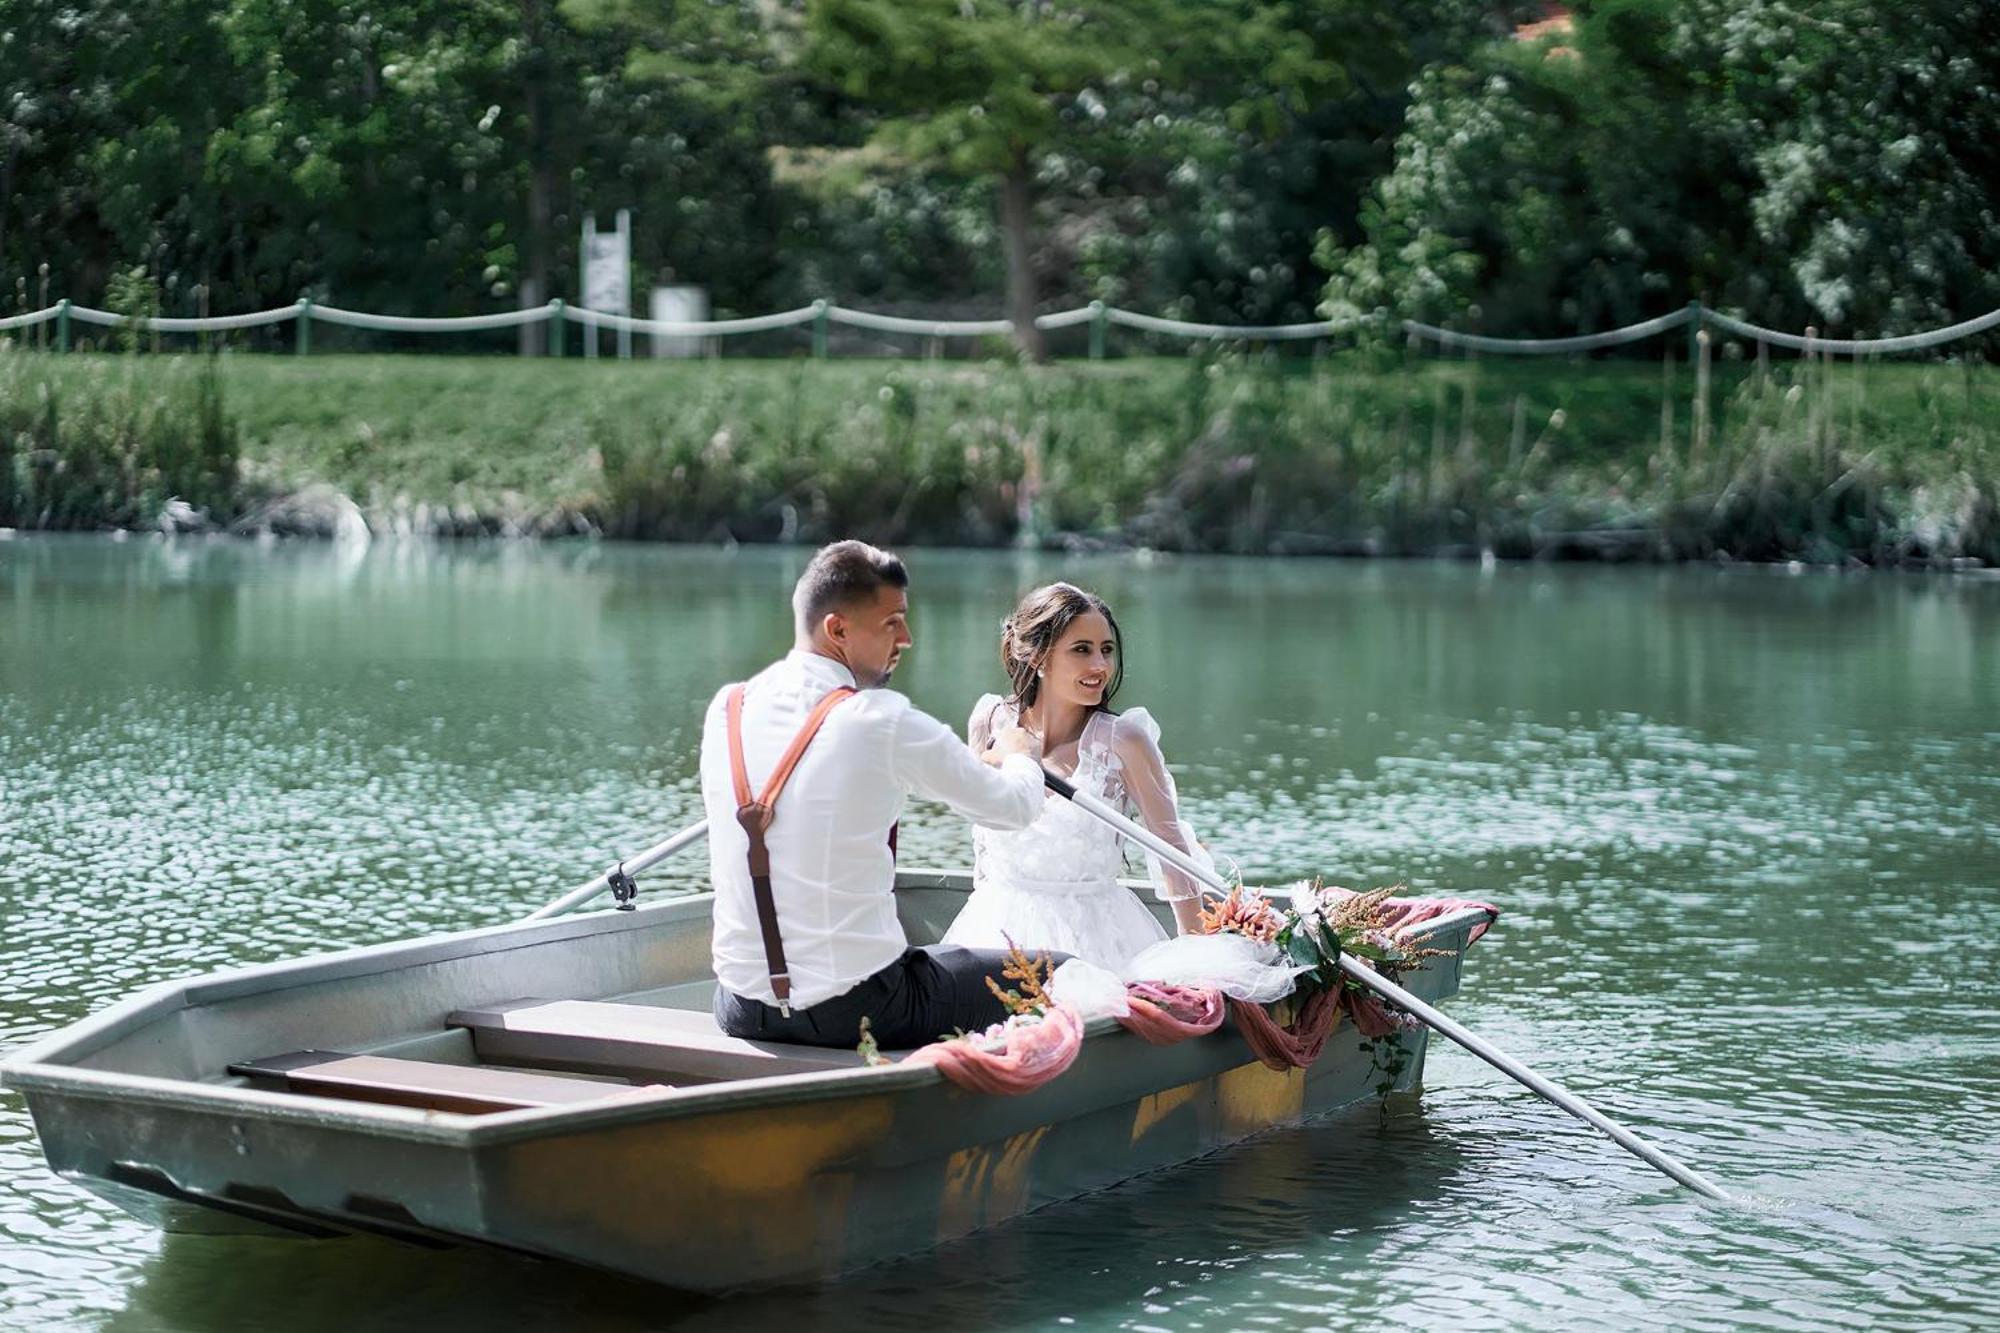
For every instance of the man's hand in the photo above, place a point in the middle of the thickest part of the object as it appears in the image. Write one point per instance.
(1013, 740)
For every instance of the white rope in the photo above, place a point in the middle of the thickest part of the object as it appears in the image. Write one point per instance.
(212, 324)
(505, 319)
(691, 328)
(1589, 342)
(220, 323)
(1909, 342)
(935, 328)
(1132, 319)
(30, 319)
(974, 328)
(1066, 319)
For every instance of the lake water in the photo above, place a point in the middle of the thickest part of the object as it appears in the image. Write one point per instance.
(1745, 829)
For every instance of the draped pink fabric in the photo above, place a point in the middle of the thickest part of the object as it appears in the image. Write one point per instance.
(1164, 1014)
(1034, 1054)
(1293, 1045)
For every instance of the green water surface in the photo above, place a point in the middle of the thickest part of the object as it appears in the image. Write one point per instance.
(1745, 829)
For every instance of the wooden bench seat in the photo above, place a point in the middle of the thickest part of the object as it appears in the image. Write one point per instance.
(467, 1089)
(634, 1040)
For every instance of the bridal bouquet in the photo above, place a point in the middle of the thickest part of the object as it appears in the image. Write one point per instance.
(1318, 924)
(1327, 921)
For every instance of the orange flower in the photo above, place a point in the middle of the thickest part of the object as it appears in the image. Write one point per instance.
(1243, 912)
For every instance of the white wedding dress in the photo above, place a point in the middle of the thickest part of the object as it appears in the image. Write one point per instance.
(1054, 884)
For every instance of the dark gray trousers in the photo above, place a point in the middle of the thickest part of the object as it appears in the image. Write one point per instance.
(926, 994)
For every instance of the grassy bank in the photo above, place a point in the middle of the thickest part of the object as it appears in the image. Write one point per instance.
(1355, 453)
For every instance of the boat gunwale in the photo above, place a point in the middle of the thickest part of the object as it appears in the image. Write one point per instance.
(87, 1034)
(91, 1032)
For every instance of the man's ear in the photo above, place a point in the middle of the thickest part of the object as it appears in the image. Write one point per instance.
(834, 626)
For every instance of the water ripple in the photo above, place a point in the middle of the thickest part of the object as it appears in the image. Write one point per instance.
(1747, 839)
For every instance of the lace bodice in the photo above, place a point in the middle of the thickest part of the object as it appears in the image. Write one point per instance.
(1118, 760)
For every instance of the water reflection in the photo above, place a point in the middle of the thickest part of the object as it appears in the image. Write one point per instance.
(1746, 829)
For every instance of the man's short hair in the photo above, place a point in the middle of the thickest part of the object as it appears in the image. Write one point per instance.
(842, 575)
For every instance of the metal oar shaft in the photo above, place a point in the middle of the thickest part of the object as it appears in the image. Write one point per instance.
(652, 856)
(1396, 995)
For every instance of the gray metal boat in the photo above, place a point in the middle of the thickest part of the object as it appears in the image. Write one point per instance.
(557, 1088)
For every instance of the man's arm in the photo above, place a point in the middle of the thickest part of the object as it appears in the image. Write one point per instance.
(929, 759)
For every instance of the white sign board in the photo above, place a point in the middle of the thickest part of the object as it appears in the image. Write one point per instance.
(607, 269)
(607, 277)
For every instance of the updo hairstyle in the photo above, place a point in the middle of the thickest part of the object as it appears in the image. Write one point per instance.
(1040, 620)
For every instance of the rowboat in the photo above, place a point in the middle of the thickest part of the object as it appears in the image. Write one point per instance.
(557, 1088)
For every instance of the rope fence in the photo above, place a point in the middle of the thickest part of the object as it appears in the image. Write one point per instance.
(1100, 317)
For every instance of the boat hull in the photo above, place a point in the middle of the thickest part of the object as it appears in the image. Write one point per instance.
(753, 1182)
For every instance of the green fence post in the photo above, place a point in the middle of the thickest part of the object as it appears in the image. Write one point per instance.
(305, 318)
(556, 327)
(1097, 321)
(62, 325)
(1694, 329)
(819, 329)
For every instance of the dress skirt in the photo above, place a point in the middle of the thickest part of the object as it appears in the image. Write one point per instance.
(1099, 921)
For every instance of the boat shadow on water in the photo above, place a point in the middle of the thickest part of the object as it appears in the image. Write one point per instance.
(1351, 1177)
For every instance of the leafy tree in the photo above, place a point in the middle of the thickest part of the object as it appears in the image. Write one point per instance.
(1001, 91)
(1826, 167)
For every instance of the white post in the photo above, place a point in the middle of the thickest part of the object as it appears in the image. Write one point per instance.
(588, 257)
(625, 284)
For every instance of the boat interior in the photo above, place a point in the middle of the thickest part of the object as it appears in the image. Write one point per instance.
(538, 1051)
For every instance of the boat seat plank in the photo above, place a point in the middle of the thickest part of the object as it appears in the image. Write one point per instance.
(468, 1090)
(602, 1035)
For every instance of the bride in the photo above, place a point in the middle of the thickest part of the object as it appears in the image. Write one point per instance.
(1054, 885)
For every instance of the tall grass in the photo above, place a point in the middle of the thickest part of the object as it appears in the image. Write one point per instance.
(1372, 451)
(108, 443)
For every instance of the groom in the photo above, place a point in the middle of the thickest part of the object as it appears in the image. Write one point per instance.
(804, 771)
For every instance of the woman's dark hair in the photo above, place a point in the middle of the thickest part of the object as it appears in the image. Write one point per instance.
(1037, 626)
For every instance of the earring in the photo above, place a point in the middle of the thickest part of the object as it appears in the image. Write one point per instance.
(1040, 675)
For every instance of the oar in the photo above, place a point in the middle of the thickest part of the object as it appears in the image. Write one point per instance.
(621, 874)
(1401, 998)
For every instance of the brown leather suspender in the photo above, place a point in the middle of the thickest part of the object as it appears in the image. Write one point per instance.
(755, 814)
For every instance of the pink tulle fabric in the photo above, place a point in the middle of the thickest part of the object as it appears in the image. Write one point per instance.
(1033, 1055)
(1164, 1014)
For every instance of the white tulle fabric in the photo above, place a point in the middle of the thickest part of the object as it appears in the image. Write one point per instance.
(1093, 991)
(1240, 968)
(1054, 885)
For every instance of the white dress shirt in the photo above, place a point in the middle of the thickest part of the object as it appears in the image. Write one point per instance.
(832, 874)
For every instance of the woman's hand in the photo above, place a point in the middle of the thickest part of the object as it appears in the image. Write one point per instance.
(1187, 915)
(1012, 741)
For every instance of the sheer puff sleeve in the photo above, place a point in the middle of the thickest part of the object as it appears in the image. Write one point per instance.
(980, 726)
(1149, 787)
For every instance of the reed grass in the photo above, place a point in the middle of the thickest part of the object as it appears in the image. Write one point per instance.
(112, 441)
(1364, 452)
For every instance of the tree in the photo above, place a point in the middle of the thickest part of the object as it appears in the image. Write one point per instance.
(1827, 168)
(993, 90)
(1216, 218)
